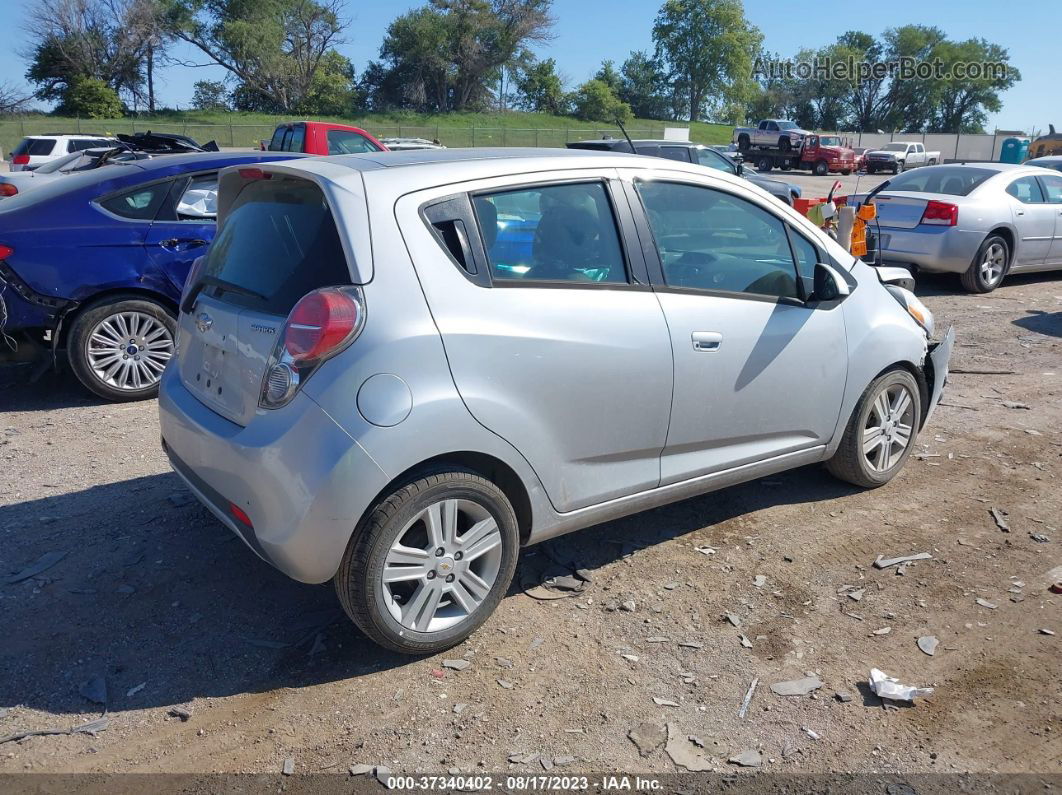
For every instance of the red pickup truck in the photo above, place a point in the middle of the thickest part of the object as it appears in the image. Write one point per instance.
(322, 138)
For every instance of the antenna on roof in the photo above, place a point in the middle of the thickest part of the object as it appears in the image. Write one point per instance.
(624, 131)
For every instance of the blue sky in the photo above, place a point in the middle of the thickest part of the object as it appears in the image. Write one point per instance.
(588, 31)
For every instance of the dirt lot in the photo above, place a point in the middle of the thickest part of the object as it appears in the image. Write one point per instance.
(159, 600)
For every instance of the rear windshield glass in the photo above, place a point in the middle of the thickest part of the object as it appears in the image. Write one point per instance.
(36, 147)
(952, 181)
(278, 241)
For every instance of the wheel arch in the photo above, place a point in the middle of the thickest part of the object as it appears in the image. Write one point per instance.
(1007, 233)
(488, 466)
(112, 295)
(919, 375)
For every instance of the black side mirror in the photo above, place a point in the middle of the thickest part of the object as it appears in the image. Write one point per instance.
(740, 169)
(829, 284)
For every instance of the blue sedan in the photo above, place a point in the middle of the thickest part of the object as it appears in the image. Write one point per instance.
(95, 263)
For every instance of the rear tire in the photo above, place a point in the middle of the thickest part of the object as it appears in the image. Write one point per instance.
(119, 348)
(743, 143)
(989, 266)
(884, 422)
(765, 164)
(445, 598)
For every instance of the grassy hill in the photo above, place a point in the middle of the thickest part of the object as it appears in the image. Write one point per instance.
(452, 129)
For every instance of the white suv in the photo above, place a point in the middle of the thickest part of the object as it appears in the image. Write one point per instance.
(34, 151)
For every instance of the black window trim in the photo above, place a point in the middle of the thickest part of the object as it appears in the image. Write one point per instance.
(656, 267)
(623, 218)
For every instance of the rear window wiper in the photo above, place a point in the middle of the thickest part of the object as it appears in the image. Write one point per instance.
(222, 285)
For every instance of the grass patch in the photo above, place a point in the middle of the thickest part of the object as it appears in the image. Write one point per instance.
(452, 129)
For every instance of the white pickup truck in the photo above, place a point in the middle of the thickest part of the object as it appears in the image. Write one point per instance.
(771, 133)
(898, 155)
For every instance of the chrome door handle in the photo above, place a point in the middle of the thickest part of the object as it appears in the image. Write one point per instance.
(706, 341)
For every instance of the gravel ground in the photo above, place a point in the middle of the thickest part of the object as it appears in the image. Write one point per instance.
(159, 601)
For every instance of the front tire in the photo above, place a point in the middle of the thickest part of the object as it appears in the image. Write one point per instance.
(881, 432)
(989, 266)
(898, 168)
(822, 168)
(430, 562)
(118, 349)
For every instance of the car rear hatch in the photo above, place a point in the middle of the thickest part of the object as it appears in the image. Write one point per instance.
(278, 239)
(904, 210)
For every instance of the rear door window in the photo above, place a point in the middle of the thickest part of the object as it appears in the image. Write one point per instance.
(34, 147)
(81, 144)
(564, 233)
(199, 199)
(298, 137)
(345, 142)
(139, 204)
(276, 144)
(1026, 190)
(680, 153)
(278, 243)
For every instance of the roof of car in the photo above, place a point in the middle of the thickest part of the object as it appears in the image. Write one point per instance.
(1044, 159)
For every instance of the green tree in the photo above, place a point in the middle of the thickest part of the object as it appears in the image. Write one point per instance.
(104, 40)
(209, 95)
(89, 98)
(449, 54)
(332, 89)
(595, 101)
(911, 103)
(709, 46)
(964, 101)
(608, 75)
(540, 89)
(274, 48)
(644, 86)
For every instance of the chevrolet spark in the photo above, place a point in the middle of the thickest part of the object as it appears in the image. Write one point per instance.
(395, 370)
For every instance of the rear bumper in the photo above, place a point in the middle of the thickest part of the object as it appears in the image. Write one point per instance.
(302, 480)
(939, 249)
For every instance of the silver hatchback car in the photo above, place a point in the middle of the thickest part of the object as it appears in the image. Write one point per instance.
(396, 369)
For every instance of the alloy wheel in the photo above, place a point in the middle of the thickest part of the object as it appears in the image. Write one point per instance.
(129, 350)
(993, 264)
(889, 427)
(441, 565)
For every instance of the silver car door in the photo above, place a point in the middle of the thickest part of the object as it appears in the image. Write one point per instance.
(759, 373)
(1035, 221)
(1052, 186)
(554, 339)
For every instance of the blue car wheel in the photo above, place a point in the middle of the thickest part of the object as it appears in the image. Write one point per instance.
(119, 349)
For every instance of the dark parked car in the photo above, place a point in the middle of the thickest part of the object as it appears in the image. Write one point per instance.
(687, 152)
(95, 263)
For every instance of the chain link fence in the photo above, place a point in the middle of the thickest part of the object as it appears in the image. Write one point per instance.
(250, 135)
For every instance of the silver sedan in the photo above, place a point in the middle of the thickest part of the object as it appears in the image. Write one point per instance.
(979, 220)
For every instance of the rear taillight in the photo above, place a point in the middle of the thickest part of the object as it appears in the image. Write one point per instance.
(940, 213)
(6, 251)
(20, 160)
(7, 189)
(321, 325)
